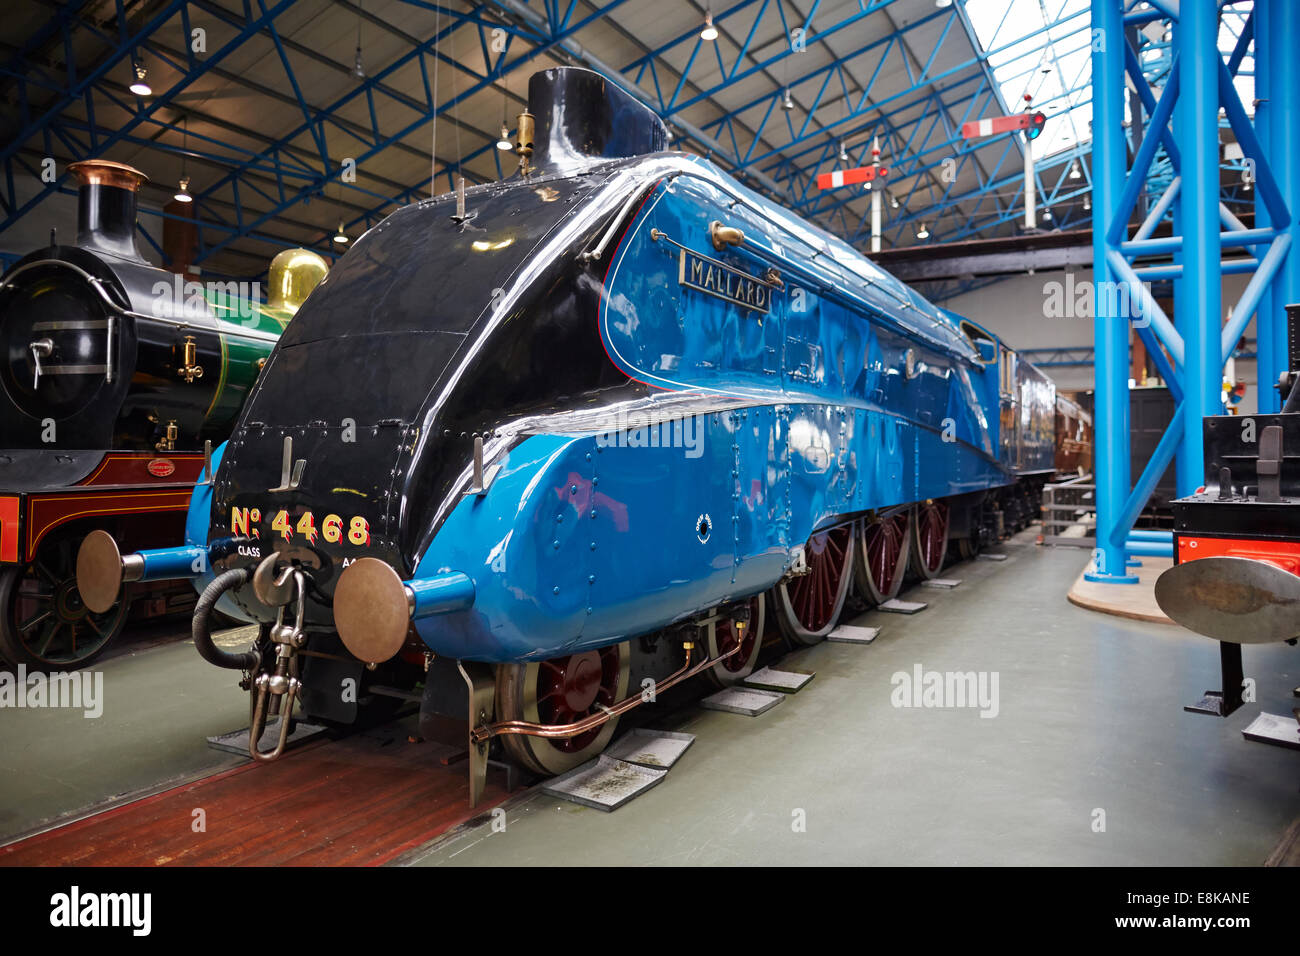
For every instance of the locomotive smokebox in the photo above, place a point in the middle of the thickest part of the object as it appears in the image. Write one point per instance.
(106, 206)
(582, 117)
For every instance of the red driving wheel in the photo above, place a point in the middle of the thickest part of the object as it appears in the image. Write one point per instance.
(885, 546)
(930, 538)
(571, 688)
(809, 605)
(561, 690)
(725, 635)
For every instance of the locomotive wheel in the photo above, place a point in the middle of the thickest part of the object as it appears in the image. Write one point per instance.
(561, 690)
(43, 623)
(929, 538)
(884, 545)
(722, 638)
(808, 607)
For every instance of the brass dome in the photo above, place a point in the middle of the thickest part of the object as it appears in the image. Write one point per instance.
(292, 276)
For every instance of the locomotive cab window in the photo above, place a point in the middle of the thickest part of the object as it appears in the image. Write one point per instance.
(1008, 380)
(985, 345)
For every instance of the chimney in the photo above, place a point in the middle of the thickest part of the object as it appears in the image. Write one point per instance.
(582, 117)
(106, 199)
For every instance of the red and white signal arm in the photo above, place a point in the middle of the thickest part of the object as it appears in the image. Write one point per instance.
(1032, 123)
(847, 177)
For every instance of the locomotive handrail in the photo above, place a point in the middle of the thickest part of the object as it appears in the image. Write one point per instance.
(95, 281)
(98, 285)
(596, 251)
(844, 295)
(824, 283)
(817, 251)
(830, 291)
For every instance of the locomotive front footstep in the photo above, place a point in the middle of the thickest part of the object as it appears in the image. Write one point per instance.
(787, 681)
(941, 584)
(990, 556)
(895, 606)
(1274, 729)
(651, 748)
(605, 783)
(744, 701)
(236, 741)
(849, 634)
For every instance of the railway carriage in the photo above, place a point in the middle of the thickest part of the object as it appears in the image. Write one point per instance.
(582, 432)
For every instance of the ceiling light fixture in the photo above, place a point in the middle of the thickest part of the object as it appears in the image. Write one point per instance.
(786, 102)
(504, 143)
(141, 86)
(923, 232)
(358, 70)
(710, 32)
(1074, 170)
(183, 194)
(341, 237)
(844, 153)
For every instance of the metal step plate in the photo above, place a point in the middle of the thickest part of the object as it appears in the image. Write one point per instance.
(895, 606)
(770, 678)
(1274, 729)
(942, 584)
(605, 783)
(742, 700)
(848, 634)
(236, 741)
(990, 556)
(651, 748)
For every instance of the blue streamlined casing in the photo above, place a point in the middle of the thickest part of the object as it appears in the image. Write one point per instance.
(780, 423)
(197, 520)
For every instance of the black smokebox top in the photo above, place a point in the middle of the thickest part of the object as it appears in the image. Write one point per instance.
(581, 116)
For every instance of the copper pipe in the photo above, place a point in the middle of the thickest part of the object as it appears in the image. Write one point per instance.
(482, 734)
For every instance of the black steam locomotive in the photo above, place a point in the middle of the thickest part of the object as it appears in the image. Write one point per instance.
(584, 429)
(115, 374)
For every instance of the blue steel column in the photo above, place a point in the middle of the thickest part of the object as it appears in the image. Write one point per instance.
(1110, 330)
(1189, 470)
(1284, 160)
(1202, 291)
(1266, 345)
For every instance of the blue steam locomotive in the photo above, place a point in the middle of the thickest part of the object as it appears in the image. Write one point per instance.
(560, 437)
